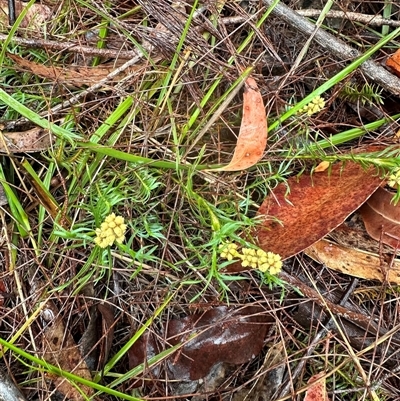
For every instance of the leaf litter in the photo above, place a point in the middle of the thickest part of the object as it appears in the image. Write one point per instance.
(317, 204)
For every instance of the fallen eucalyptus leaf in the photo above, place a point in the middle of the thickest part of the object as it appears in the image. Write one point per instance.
(221, 334)
(315, 206)
(253, 132)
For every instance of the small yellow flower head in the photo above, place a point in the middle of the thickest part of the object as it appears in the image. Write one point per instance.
(394, 179)
(316, 105)
(256, 259)
(229, 251)
(259, 259)
(112, 229)
(271, 262)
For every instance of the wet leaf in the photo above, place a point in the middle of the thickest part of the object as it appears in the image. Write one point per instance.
(144, 348)
(59, 349)
(382, 218)
(317, 389)
(315, 206)
(354, 262)
(221, 334)
(253, 132)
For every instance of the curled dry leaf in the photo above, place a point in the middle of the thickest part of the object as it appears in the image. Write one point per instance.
(269, 382)
(97, 339)
(34, 140)
(382, 218)
(59, 349)
(35, 18)
(315, 206)
(354, 262)
(317, 389)
(252, 138)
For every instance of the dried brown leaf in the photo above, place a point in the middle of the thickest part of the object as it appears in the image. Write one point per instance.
(35, 18)
(59, 349)
(315, 206)
(354, 262)
(71, 75)
(253, 132)
(34, 140)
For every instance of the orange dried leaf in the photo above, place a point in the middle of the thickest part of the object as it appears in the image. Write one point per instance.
(253, 132)
(393, 62)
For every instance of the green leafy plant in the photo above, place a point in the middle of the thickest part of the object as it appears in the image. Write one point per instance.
(366, 94)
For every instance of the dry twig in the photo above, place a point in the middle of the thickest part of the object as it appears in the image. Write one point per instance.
(367, 19)
(371, 20)
(337, 47)
(70, 47)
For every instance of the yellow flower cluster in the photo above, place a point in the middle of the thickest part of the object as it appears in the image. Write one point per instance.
(257, 259)
(394, 179)
(229, 251)
(316, 105)
(112, 229)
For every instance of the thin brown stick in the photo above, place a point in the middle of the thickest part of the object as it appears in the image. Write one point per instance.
(70, 47)
(371, 20)
(317, 338)
(357, 318)
(367, 19)
(337, 47)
